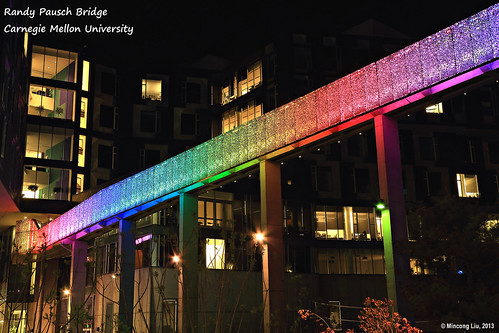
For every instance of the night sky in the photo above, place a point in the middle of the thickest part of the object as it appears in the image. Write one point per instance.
(167, 32)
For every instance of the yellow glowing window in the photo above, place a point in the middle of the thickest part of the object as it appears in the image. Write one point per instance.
(151, 89)
(436, 108)
(81, 150)
(467, 186)
(215, 253)
(79, 183)
(83, 112)
(86, 75)
(26, 35)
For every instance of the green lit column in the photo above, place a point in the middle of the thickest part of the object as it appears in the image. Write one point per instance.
(78, 281)
(393, 216)
(273, 255)
(126, 254)
(188, 246)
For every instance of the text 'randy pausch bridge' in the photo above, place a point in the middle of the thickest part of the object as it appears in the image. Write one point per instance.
(451, 56)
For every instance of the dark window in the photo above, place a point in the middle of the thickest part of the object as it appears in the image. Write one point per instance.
(188, 124)
(324, 179)
(362, 182)
(427, 149)
(108, 83)
(106, 117)
(148, 121)
(151, 157)
(406, 146)
(494, 151)
(105, 157)
(354, 145)
(193, 92)
(434, 183)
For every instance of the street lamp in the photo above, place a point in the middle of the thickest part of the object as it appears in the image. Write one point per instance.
(259, 237)
(176, 259)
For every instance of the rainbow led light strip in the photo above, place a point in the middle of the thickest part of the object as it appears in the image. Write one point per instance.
(449, 57)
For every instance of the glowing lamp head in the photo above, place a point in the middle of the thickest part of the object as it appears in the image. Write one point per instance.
(66, 292)
(380, 205)
(176, 259)
(460, 272)
(259, 237)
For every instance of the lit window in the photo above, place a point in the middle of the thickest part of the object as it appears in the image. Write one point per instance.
(26, 36)
(436, 108)
(83, 112)
(81, 150)
(86, 75)
(250, 112)
(51, 102)
(416, 267)
(215, 253)
(79, 183)
(32, 283)
(467, 185)
(347, 223)
(53, 64)
(47, 142)
(253, 77)
(232, 118)
(215, 214)
(151, 89)
(229, 120)
(46, 183)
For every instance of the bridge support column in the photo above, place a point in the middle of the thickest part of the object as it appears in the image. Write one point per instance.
(78, 281)
(394, 215)
(126, 257)
(273, 255)
(188, 247)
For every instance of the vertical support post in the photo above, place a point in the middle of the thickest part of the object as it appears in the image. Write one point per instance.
(188, 247)
(78, 281)
(273, 256)
(126, 255)
(394, 216)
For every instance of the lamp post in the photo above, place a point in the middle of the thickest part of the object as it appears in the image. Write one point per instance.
(391, 287)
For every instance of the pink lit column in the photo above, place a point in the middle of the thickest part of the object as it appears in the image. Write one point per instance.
(394, 216)
(126, 252)
(188, 280)
(273, 256)
(78, 280)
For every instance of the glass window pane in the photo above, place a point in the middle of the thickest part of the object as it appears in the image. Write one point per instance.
(200, 208)
(209, 210)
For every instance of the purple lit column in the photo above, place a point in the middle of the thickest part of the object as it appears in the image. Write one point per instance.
(394, 217)
(188, 246)
(273, 255)
(126, 255)
(78, 280)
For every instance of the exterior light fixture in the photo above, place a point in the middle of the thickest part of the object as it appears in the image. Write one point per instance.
(66, 292)
(176, 259)
(259, 237)
(381, 205)
(113, 276)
